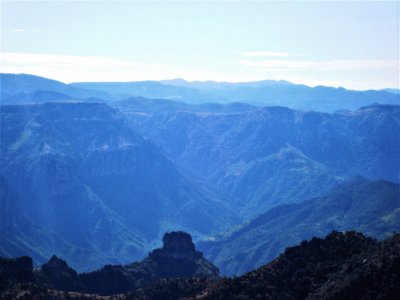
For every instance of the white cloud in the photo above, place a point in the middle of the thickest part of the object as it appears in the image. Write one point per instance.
(321, 65)
(69, 68)
(84, 62)
(264, 54)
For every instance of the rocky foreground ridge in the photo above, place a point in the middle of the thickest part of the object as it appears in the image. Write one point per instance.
(340, 266)
(177, 258)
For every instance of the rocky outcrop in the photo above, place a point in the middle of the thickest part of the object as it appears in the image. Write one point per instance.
(341, 266)
(177, 258)
(177, 245)
(58, 275)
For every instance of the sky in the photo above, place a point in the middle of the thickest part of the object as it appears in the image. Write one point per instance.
(349, 44)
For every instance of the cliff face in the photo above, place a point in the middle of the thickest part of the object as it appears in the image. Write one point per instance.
(177, 245)
(179, 258)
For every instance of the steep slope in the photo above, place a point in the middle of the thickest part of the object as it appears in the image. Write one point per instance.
(341, 266)
(275, 155)
(372, 207)
(79, 172)
(56, 274)
(21, 234)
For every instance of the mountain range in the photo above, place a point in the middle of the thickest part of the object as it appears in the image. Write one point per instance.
(273, 155)
(96, 173)
(78, 174)
(21, 88)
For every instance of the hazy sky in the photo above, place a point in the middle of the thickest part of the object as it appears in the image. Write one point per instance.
(355, 45)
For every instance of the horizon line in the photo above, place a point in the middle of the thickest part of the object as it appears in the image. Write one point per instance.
(208, 80)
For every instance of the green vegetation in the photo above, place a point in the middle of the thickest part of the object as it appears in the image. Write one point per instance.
(371, 207)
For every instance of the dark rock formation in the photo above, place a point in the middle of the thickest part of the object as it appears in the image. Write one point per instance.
(14, 271)
(58, 275)
(340, 266)
(177, 258)
(112, 280)
(172, 289)
(177, 245)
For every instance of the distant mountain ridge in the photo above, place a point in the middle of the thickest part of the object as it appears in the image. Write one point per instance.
(13, 85)
(260, 93)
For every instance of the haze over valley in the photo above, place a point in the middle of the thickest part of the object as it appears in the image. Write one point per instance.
(148, 153)
(139, 167)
